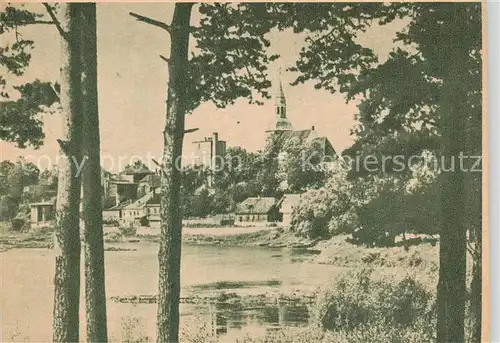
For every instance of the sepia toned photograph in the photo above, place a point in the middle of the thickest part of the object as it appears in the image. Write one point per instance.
(254, 172)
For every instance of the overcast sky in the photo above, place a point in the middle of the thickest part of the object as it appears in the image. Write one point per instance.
(132, 89)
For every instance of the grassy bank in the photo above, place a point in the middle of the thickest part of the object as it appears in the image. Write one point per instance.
(10, 239)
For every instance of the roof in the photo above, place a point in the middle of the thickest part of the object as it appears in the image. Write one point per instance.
(289, 200)
(139, 203)
(325, 145)
(301, 134)
(154, 201)
(141, 170)
(311, 136)
(119, 206)
(255, 205)
(42, 203)
(50, 202)
(122, 182)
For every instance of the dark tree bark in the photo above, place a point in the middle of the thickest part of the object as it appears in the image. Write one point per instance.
(476, 288)
(67, 224)
(451, 291)
(95, 295)
(169, 256)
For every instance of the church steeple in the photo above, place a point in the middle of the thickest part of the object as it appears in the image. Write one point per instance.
(280, 100)
(282, 122)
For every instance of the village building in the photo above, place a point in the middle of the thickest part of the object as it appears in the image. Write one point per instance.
(210, 153)
(153, 211)
(131, 185)
(256, 211)
(42, 214)
(286, 206)
(136, 213)
(115, 212)
(121, 190)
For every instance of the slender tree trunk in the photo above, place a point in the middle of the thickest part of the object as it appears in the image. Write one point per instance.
(95, 295)
(169, 256)
(67, 225)
(451, 291)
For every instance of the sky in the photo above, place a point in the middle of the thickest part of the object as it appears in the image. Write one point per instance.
(132, 84)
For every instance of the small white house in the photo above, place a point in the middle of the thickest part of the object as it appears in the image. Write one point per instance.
(42, 214)
(286, 205)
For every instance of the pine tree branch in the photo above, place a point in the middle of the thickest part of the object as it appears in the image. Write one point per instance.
(52, 15)
(31, 22)
(151, 21)
(48, 22)
(157, 163)
(164, 58)
(64, 146)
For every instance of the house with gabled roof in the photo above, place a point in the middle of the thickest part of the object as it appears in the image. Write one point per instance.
(256, 211)
(135, 212)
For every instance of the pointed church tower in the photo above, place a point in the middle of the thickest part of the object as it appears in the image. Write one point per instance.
(280, 102)
(282, 122)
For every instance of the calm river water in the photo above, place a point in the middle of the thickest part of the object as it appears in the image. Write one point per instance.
(27, 289)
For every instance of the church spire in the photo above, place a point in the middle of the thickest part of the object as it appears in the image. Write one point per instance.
(280, 100)
(282, 122)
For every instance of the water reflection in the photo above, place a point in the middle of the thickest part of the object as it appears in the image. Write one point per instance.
(229, 317)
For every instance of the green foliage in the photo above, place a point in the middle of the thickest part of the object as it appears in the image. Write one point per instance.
(374, 208)
(21, 105)
(319, 207)
(193, 177)
(14, 177)
(137, 166)
(128, 230)
(267, 177)
(357, 308)
(8, 207)
(231, 55)
(300, 166)
(395, 213)
(6, 168)
(283, 166)
(358, 301)
(18, 224)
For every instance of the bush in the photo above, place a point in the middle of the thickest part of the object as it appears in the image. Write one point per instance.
(18, 224)
(326, 211)
(357, 302)
(128, 230)
(111, 222)
(133, 331)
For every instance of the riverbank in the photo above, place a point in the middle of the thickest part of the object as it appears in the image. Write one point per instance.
(335, 251)
(41, 239)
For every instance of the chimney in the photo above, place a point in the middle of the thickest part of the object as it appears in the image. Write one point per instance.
(216, 136)
(312, 127)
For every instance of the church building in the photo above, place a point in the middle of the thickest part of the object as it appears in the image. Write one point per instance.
(284, 128)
